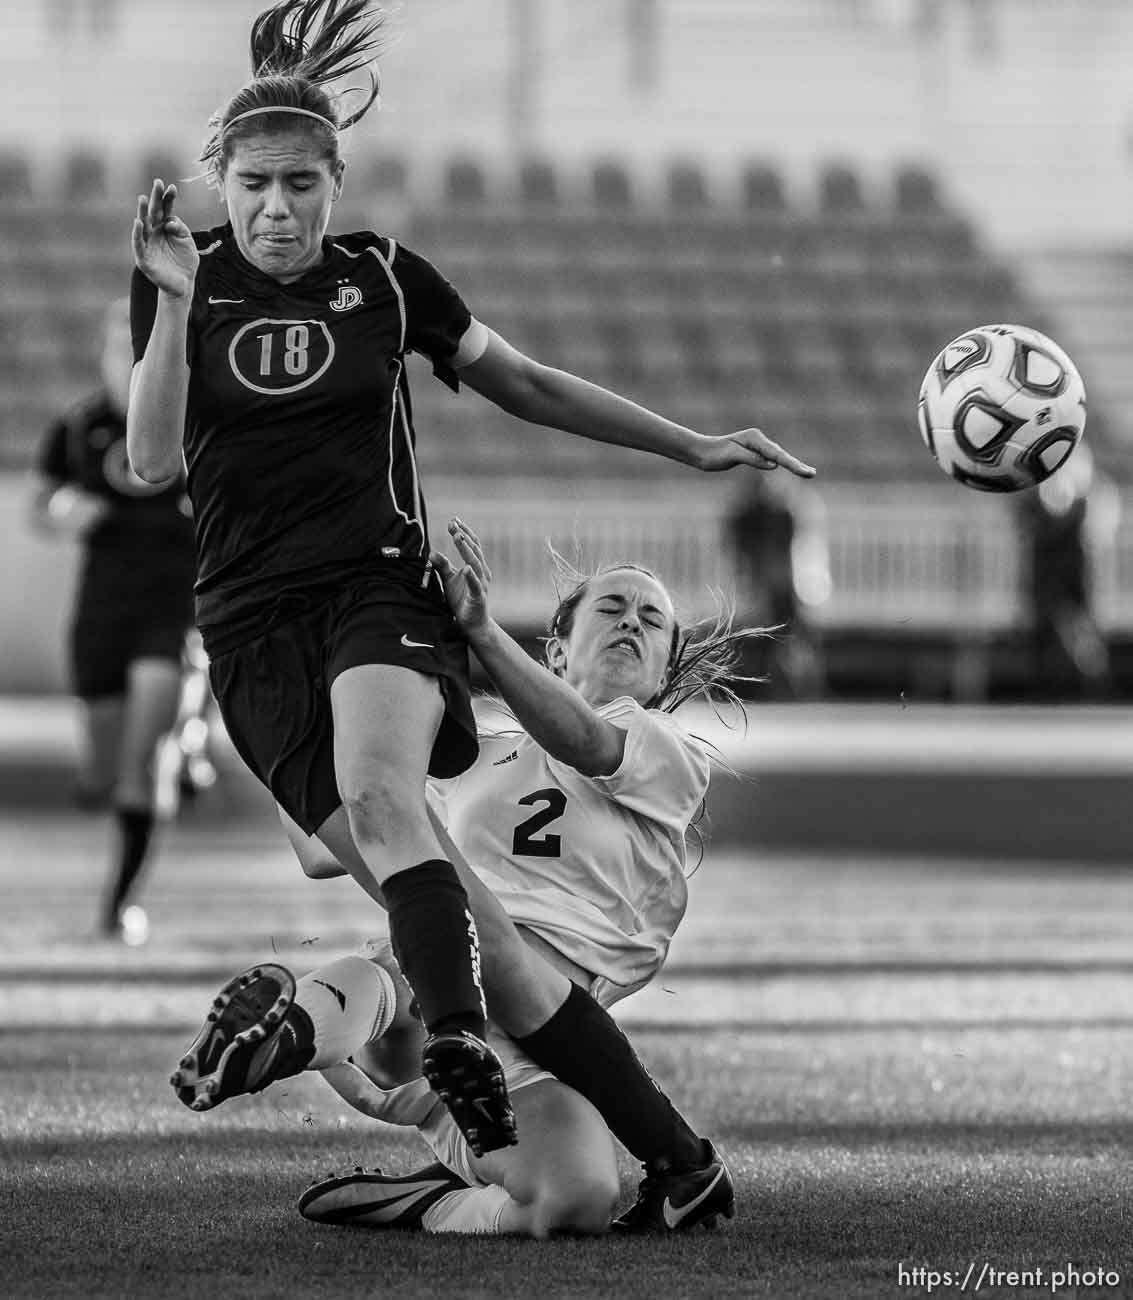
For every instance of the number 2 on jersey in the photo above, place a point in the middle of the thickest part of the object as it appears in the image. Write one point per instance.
(524, 841)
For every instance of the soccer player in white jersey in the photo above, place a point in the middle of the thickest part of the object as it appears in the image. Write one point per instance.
(577, 821)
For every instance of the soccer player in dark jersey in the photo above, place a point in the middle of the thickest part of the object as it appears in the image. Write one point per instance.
(271, 357)
(134, 605)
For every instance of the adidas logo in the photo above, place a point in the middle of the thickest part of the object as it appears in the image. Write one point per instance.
(507, 758)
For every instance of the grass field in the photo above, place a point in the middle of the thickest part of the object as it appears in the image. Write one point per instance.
(909, 1063)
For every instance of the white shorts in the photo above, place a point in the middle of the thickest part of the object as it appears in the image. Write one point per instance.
(413, 1104)
(440, 1130)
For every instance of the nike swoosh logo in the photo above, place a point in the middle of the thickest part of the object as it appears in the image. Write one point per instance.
(416, 645)
(213, 301)
(390, 1207)
(338, 993)
(675, 1215)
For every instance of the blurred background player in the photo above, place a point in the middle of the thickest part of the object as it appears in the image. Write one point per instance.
(778, 553)
(1064, 523)
(133, 608)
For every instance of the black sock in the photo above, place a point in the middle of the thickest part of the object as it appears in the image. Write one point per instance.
(583, 1047)
(296, 1043)
(135, 826)
(435, 942)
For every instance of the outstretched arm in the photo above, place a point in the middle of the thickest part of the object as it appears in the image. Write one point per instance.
(543, 395)
(552, 713)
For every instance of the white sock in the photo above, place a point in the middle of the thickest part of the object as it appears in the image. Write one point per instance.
(350, 1001)
(468, 1210)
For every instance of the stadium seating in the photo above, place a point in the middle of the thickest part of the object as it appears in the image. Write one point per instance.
(538, 182)
(815, 320)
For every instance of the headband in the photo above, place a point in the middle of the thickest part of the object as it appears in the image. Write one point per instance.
(302, 112)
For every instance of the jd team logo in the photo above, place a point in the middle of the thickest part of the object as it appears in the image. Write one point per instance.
(348, 296)
(280, 356)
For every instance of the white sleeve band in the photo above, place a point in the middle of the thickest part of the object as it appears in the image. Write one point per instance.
(472, 345)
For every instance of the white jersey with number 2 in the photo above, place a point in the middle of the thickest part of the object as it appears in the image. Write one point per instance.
(594, 865)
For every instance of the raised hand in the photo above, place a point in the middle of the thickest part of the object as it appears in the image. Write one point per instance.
(466, 589)
(749, 447)
(163, 246)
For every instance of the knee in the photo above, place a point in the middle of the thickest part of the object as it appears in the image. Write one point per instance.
(380, 803)
(583, 1205)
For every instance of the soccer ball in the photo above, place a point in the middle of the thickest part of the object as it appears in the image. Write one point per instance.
(1001, 408)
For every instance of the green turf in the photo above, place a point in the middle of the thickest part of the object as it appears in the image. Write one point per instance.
(853, 1152)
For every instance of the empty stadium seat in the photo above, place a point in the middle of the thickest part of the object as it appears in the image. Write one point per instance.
(612, 187)
(762, 189)
(84, 175)
(15, 176)
(840, 189)
(464, 182)
(387, 174)
(164, 163)
(687, 186)
(915, 190)
(538, 182)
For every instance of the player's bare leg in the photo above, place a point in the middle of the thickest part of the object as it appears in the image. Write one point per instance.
(153, 686)
(386, 718)
(101, 740)
(561, 1178)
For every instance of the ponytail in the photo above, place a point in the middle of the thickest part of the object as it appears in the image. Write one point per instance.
(296, 48)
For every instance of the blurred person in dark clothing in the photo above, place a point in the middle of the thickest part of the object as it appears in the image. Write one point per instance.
(778, 557)
(1062, 523)
(133, 608)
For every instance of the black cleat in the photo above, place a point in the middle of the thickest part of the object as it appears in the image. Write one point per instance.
(674, 1200)
(467, 1076)
(377, 1200)
(241, 1048)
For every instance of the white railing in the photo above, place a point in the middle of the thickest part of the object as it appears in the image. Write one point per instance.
(896, 558)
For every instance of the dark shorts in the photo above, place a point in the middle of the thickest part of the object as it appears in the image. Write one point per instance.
(273, 692)
(110, 632)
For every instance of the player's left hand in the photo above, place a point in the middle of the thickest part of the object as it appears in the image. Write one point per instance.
(466, 589)
(748, 447)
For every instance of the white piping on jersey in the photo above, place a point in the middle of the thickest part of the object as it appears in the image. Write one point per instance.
(387, 266)
(395, 407)
(413, 461)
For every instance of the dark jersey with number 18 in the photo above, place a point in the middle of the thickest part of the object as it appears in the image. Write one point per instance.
(299, 443)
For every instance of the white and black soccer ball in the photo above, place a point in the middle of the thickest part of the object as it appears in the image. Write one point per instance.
(1001, 408)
